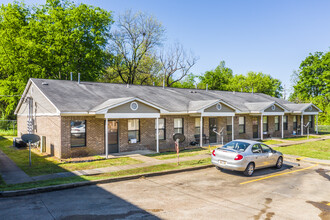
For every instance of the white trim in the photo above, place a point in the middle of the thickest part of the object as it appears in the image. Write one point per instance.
(132, 115)
(310, 113)
(302, 124)
(106, 139)
(157, 135)
(23, 96)
(282, 127)
(201, 132)
(214, 103)
(75, 114)
(272, 113)
(262, 127)
(217, 114)
(232, 128)
(316, 119)
(106, 109)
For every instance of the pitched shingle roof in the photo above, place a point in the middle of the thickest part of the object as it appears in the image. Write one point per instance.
(69, 96)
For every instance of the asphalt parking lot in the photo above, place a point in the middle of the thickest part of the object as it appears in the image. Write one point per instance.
(294, 192)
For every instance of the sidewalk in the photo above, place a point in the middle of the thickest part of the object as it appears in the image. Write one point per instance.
(148, 161)
(292, 142)
(10, 172)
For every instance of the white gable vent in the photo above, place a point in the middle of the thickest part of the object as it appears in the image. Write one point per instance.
(134, 106)
(273, 107)
(219, 106)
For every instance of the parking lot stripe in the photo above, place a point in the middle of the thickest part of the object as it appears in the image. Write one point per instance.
(300, 158)
(267, 177)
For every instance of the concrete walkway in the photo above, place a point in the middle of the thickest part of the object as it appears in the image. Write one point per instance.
(293, 142)
(10, 172)
(148, 161)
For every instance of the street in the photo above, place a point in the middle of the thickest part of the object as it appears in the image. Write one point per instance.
(294, 192)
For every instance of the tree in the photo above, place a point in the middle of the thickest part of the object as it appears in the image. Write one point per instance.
(217, 79)
(188, 82)
(312, 83)
(135, 38)
(176, 64)
(50, 41)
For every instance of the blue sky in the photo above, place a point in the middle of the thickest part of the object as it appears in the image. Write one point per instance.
(268, 36)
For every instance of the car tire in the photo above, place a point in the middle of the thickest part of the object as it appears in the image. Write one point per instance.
(279, 163)
(249, 169)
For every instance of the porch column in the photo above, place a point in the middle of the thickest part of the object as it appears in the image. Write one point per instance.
(317, 124)
(106, 138)
(282, 130)
(302, 124)
(157, 135)
(201, 132)
(232, 128)
(261, 128)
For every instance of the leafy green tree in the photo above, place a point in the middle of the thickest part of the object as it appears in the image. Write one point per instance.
(50, 41)
(258, 83)
(188, 82)
(312, 83)
(217, 79)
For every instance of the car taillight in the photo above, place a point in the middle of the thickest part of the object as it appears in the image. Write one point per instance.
(213, 152)
(238, 157)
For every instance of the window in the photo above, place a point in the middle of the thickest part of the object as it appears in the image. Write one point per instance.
(241, 121)
(78, 133)
(133, 130)
(295, 125)
(311, 121)
(256, 149)
(161, 128)
(265, 148)
(197, 126)
(236, 145)
(229, 126)
(178, 125)
(277, 123)
(265, 124)
(285, 122)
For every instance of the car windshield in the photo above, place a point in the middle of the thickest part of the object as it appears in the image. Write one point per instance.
(236, 145)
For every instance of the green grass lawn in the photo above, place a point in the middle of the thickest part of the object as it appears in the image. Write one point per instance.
(299, 138)
(183, 153)
(42, 164)
(142, 170)
(317, 149)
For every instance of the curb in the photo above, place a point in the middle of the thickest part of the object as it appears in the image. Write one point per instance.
(94, 182)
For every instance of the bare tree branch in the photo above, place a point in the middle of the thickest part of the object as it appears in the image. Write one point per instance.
(176, 64)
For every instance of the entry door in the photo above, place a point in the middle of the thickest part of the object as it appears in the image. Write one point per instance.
(212, 134)
(113, 136)
(255, 127)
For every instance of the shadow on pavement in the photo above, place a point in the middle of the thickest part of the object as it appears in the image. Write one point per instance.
(261, 172)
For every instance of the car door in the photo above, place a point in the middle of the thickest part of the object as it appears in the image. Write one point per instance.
(257, 155)
(268, 156)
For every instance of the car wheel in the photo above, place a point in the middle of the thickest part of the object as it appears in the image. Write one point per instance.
(249, 169)
(279, 163)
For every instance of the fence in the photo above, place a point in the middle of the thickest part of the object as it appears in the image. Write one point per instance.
(8, 127)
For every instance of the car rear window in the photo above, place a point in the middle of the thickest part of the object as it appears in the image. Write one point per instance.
(236, 145)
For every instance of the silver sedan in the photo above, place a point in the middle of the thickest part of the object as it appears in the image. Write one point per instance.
(246, 156)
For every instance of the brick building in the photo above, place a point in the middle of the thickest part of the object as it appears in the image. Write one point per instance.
(88, 118)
